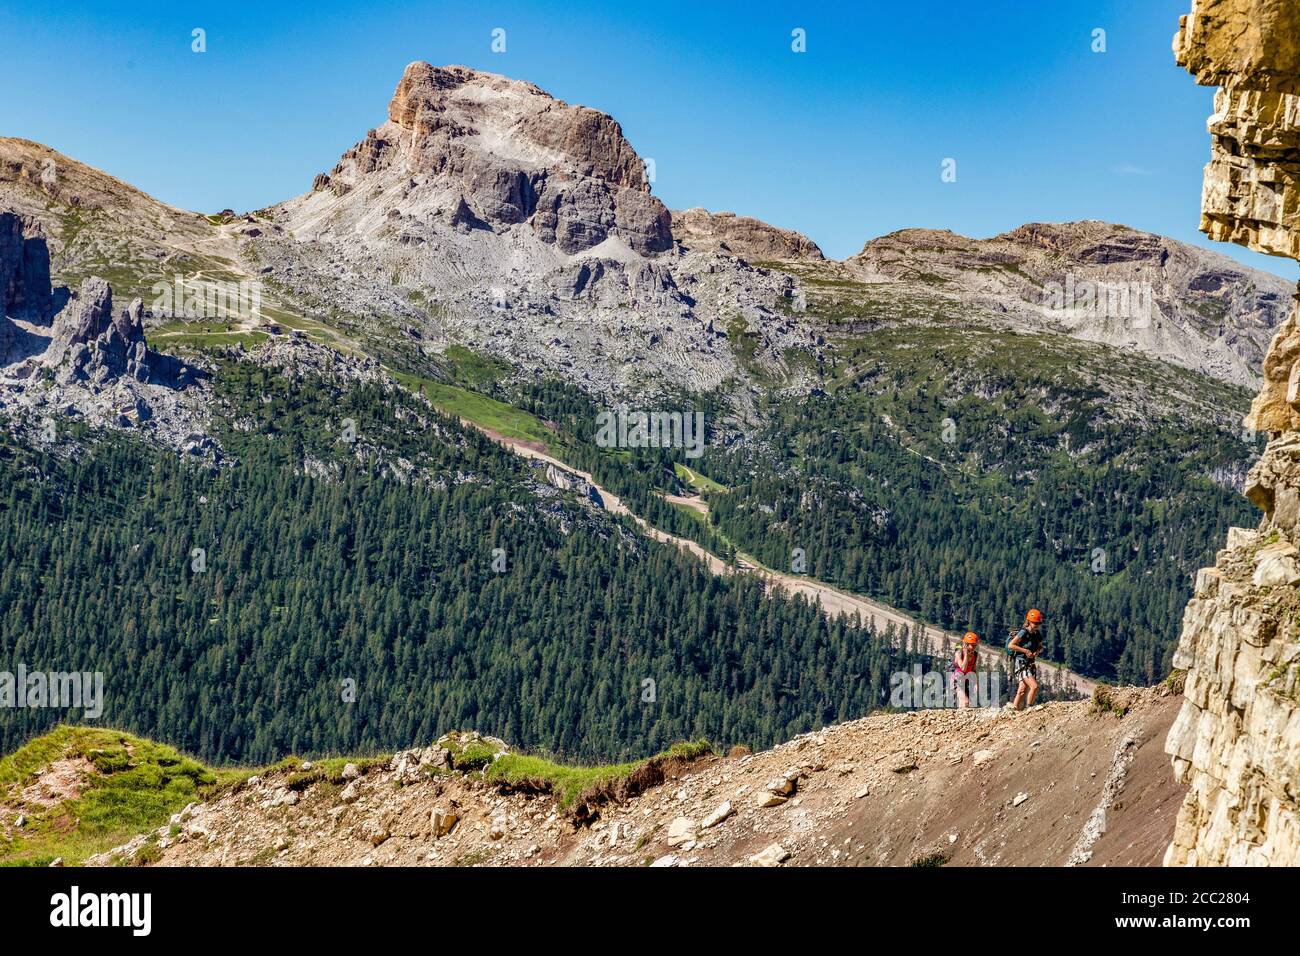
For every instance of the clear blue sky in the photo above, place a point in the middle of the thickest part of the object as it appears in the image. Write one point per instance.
(843, 142)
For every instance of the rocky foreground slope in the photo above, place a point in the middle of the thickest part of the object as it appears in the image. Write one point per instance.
(1061, 784)
(1237, 740)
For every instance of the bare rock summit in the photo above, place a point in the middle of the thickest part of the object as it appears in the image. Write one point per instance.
(499, 152)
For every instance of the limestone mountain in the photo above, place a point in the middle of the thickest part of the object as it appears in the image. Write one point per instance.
(485, 150)
(1096, 281)
(487, 213)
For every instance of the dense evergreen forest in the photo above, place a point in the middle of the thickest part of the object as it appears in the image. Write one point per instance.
(371, 588)
(370, 575)
(967, 475)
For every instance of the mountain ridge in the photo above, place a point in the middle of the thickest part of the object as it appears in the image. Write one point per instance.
(1209, 313)
(481, 198)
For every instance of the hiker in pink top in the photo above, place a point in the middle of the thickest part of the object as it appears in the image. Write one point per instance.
(963, 664)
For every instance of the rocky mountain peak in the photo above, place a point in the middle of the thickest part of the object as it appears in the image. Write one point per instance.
(512, 117)
(466, 146)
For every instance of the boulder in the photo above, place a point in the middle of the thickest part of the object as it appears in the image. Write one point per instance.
(1276, 566)
(375, 832)
(773, 855)
(717, 816)
(442, 821)
(680, 831)
(784, 785)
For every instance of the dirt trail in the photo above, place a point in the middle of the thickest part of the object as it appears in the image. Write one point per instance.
(834, 602)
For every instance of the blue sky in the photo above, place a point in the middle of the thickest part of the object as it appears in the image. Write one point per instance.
(843, 142)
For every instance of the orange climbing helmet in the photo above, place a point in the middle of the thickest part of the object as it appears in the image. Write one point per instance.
(971, 638)
(1034, 616)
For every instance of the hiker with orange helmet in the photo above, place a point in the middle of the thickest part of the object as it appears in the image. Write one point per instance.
(963, 665)
(1025, 646)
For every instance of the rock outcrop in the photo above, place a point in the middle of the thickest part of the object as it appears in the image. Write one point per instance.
(569, 481)
(90, 341)
(1236, 741)
(101, 366)
(750, 239)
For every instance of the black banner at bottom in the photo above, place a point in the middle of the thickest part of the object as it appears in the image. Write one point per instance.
(143, 905)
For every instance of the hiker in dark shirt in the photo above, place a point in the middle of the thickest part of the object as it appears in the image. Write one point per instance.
(1025, 647)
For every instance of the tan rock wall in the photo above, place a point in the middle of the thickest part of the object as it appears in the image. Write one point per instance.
(1236, 742)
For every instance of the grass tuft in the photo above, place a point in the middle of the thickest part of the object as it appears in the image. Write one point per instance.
(579, 790)
(131, 785)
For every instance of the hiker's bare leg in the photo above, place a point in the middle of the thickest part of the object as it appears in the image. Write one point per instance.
(1033, 691)
(1020, 694)
(962, 699)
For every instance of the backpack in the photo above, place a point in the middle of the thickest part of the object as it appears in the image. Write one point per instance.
(1014, 658)
(1011, 654)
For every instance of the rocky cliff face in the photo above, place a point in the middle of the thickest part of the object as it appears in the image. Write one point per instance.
(24, 271)
(1236, 741)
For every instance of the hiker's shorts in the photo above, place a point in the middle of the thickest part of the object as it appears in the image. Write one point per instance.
(1027, 669)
